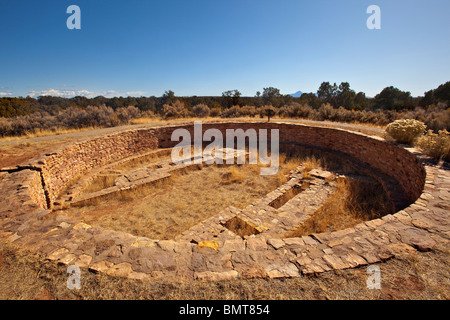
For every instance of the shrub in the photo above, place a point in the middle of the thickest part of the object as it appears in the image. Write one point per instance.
(326, 112)
(233, 112)
(174, 110)
(435, 145)
(5, 127)
(248, 111)
(128, 113)
(268, 111)
(215, 112)
(201, 111)
(405, 131)
(284, 112)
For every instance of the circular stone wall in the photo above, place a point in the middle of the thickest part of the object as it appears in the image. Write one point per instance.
(33, 188)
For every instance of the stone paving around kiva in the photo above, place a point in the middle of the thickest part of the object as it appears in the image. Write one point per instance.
(234, 243)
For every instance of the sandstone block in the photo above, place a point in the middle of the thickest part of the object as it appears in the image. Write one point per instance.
(233, 245)
(83, 261)
(101, 266)
(256, 244)
(120, 270)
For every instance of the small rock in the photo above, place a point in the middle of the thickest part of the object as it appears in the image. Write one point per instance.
(276, 243)
(233, 245)
(64, 225)
(120, 270)
(209, 244)
(422, 224)
(101, 266)
(256, 244)
(57, 254)
(83, 261)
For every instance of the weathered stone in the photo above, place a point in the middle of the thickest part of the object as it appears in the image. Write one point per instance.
(57, 254)
(362, 227)
(422, 224)
(370, 257)
(276, 243)
(374, 223)
(342, 233)
(66, 260)
(64, 225)
(389, 218)
(256, 244)
(311, 268)
(83, 261)
(183, 247)
(287, 270)
(309, 241)
(202, 245)
(339, 241)
(314, 253)
(103, 245)
(294, 242)
(233, 245)
(417, 238)
(142, 242)
(101, 266)
(138, 276)
(81, 226)
(122, 270)
(322, 237)
(334, 262)
(167, 245)
(354, 260)
(401, 248)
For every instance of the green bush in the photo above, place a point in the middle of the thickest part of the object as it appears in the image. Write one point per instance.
(405, 131)
(435, 145)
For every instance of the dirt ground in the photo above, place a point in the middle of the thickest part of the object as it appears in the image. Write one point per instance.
(26, 275)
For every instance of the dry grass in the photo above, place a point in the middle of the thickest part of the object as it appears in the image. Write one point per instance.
(45, 133)
(351, 203)
(147, 120)
(101, 182)
(143, 161)
(232, 175)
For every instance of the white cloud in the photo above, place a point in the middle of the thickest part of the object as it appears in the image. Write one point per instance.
(135, 93)
(83, 93)
(5, 93)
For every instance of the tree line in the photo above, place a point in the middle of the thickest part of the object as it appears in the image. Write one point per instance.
(21, 116)
(341, 95)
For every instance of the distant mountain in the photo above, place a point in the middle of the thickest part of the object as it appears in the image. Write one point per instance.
(298, 94)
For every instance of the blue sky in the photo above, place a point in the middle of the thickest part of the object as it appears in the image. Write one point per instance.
(205, 47)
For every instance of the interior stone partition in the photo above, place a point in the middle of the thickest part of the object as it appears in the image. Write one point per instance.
(31, 188)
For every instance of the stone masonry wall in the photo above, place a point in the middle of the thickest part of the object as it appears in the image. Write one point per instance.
(62, 167)
(36, 189)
